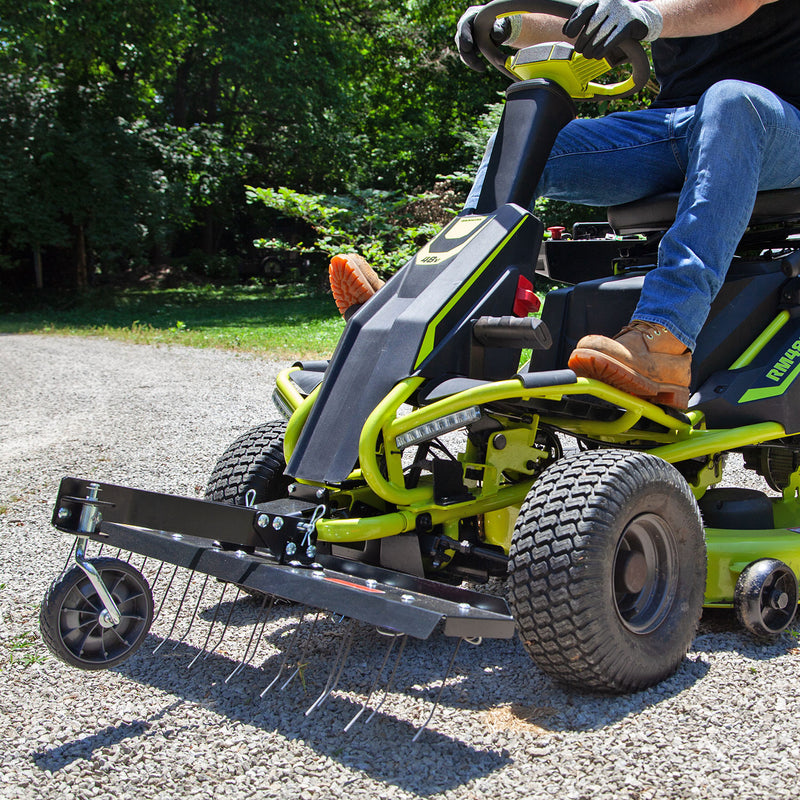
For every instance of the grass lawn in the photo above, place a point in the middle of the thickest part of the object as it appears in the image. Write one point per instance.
(283, 322)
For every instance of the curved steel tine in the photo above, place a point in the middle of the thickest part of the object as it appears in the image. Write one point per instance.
(390, 682)
(177, 612)
(211, 626)
(166, 591)
(227, 623)
(68, 562)
(259, 622)
(439, 693)
(286, 652)
(339, 661)
(374, 684)
(157, 576)
(301, 661)
(194, 613)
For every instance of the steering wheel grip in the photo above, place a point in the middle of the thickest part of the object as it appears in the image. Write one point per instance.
(632, 51)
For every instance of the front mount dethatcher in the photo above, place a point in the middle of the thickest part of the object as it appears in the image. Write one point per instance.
(98, 613)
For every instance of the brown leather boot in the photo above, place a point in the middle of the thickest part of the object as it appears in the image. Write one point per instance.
(353, 281)
(643, 359)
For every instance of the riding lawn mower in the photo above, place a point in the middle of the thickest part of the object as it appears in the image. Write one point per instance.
(427, 456)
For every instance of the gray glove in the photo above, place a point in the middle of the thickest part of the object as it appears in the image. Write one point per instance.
(601, 25)
(503, 30)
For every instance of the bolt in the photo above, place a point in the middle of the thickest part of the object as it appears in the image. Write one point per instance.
(407, 598)
(291, 548)
(499, 442)
(371, 583)
(464, 608)
(319, 494)
(63, 513)
(311, 551)
(277, 523)
(262, 521)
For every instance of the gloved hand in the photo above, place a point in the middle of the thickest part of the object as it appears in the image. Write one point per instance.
(465, 37)
(601, 25)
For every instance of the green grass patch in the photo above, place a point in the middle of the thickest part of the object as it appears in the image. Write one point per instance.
(283, 322)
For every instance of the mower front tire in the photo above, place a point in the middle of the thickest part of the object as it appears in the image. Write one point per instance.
(250, 471)
(607, 570)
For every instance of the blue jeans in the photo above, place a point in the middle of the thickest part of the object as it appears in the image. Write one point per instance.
(739, 138)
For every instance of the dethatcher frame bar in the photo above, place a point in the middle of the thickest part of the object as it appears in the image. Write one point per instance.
(188, 532)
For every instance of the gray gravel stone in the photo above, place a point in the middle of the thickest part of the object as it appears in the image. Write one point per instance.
(725, 725)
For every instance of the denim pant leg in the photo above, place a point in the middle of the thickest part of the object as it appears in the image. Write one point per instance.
(609, 160)
(741, 139)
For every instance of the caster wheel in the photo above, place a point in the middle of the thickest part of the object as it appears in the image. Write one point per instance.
(765, 597)
(72, 617)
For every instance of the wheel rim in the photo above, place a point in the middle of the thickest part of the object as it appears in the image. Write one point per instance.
(778, 599)
(83, 628)
(645, 573)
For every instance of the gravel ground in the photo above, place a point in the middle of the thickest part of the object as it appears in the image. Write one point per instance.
(726, 725)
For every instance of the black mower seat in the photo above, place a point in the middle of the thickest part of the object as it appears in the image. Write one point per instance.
(657, 213)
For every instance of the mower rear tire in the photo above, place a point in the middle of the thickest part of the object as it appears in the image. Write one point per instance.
(607, 569)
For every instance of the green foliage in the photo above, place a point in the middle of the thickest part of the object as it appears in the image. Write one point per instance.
(369, 222)
(279, 321)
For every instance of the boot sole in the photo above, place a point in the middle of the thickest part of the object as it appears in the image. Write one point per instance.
(353, 281)
(593, 364)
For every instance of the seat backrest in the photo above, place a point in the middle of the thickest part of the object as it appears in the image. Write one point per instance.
(657, 213)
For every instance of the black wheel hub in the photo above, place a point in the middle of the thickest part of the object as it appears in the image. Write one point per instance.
(645, 573)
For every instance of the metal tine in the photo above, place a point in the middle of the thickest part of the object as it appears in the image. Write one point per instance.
(339, 661)
(68, 562)
(158, 575)
(227, 623)
(166, 592)
(301, 660)
(394, 638)
(177, 612)
(260, 624)
(390, 682)
(194, 613)
(439, 693)
(287, 651)
(213, 622)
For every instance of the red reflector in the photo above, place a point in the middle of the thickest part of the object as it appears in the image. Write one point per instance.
(525, 301)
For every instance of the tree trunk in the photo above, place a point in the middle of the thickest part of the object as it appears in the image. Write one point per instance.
(81, 273)
(37, 265)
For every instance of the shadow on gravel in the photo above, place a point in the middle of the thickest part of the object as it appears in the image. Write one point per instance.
(59, 757)
(494, 691)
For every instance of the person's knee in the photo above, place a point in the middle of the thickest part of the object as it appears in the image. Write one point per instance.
(730, 101)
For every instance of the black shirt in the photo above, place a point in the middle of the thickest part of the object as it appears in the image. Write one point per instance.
(764, 49)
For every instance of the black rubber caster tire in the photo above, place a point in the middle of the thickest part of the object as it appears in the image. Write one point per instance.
(69, 617)
(765, 597)
(607, 570)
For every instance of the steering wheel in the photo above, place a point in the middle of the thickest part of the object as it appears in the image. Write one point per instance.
(577, 72)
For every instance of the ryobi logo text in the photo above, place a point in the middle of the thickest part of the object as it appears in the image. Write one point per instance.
(786, 363)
